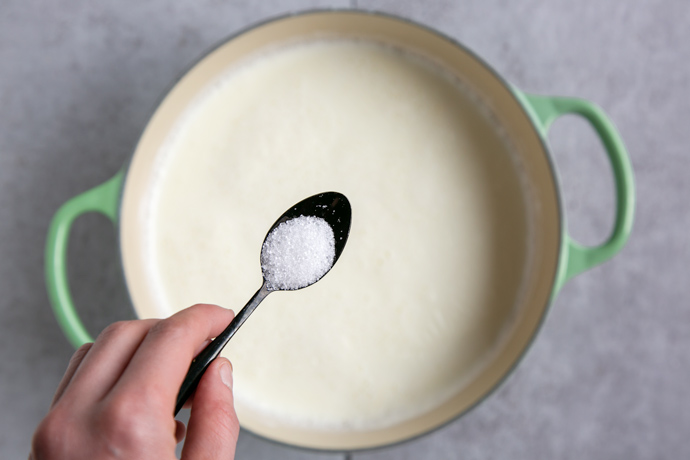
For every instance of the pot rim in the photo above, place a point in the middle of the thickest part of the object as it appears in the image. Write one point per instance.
(557, 273)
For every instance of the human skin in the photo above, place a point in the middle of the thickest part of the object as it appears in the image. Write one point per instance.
(117, 397)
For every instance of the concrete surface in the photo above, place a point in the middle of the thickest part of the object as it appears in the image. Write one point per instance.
(606, 378)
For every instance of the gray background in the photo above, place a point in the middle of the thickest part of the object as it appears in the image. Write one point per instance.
(608, 375)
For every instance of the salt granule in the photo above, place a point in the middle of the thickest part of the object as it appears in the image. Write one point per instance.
(297, 253)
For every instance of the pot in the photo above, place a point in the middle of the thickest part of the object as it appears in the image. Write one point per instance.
(524, 117)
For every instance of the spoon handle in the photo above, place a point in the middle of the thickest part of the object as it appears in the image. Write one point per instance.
(213, 349)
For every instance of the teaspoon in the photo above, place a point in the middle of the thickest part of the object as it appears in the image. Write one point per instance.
(332, 207)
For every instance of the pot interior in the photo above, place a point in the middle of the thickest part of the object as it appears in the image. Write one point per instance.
(532, 285)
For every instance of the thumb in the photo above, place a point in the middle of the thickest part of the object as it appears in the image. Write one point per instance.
(213, 427)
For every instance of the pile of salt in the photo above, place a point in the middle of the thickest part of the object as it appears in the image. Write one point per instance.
(297, 253)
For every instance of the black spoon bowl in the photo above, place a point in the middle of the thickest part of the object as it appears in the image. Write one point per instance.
(334, 208)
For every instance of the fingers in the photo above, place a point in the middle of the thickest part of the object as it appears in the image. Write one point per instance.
(118, 394)
(72, 367)
(160, 363)
(213, 427)
(107, 359)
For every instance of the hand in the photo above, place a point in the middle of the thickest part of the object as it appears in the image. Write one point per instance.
(118, 394)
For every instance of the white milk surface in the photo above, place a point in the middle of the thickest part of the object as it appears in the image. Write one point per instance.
(427, 281)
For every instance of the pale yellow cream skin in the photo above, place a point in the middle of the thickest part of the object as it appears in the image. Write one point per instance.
(433, 265)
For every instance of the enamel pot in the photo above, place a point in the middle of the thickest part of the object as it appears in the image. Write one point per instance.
(526, 119)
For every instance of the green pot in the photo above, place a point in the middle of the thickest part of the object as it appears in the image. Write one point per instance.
(527, 119)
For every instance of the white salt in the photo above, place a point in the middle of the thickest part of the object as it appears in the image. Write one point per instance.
(297, 253)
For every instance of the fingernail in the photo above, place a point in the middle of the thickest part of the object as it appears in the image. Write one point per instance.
(226, 374)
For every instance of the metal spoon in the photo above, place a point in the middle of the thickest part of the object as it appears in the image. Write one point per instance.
(335, 209)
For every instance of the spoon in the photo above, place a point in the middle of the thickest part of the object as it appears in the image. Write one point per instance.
(332, 207)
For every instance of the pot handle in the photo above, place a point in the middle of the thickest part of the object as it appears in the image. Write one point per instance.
(103, 198)
(579, 258)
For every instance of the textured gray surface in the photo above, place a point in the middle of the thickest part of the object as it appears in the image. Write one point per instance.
(606, 378)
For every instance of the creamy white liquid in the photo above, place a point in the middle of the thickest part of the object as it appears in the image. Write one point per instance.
(428, 280)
